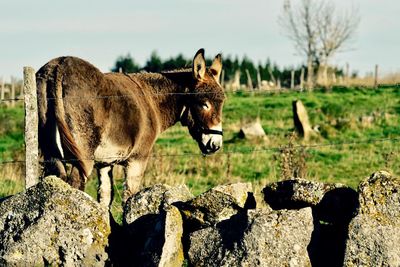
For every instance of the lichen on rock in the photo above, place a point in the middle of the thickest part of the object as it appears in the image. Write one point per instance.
(374, 234)
(53, 224)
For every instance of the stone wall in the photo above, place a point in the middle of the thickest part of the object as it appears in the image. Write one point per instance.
(301, 223)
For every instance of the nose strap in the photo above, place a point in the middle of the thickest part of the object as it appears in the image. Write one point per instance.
(211, 131)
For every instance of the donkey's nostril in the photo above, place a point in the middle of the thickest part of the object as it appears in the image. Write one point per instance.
(214, 146)
(211, 146)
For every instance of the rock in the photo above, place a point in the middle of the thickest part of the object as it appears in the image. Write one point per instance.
(153, 199)
(366, 121)
(252, 130)
(172, 251)
(154, 227)
(53, 224)
(301, 121)
(374, 234)
(296, 193)
(333, 207)
(217, 204)
(254, 238)
(238, 191)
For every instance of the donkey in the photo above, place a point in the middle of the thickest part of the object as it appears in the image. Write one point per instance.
(89, 119)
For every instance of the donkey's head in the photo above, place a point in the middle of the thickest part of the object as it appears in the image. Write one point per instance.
(203, 106)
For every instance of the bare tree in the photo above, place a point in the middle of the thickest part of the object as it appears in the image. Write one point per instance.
(317, 31)
(299, 24)
(335, 31)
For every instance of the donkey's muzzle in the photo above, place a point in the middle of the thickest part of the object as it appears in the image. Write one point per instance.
(210, 143)
(212, 146)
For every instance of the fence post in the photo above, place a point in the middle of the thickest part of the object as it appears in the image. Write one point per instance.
(292, 79)
(302, 79)
(31, 128)
(12, 91)
(347, 74)
(376, 76)
(2, 89)
(249, 81)
(258, 79)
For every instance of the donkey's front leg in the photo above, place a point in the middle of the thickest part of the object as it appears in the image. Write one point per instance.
(105, 190)
(134, 171)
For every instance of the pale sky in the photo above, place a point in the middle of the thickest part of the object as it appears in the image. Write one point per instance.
(33, 32)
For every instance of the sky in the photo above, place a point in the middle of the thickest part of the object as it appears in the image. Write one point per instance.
(34, 32)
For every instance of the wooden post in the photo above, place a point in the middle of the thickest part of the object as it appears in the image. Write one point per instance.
(347, 75)
(302, 79)
(292, 79)
(325, 74)
(258, 79)
(249, 81)
(272, 76)
(340, 80)
(2, 89)
(236, 81)
(310, 74)
(376, 76)
(334, 80)
(12, 92)
(31, 128)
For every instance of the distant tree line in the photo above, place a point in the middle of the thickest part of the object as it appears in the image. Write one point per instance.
(268, 71)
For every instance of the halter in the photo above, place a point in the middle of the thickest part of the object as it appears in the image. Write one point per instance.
(210, 131)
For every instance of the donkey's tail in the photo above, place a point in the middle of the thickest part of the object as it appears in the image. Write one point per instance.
(66, 138)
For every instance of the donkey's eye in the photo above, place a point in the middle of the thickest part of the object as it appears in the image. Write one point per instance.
(206, 106)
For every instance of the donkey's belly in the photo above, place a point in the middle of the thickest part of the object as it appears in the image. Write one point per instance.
(109, 152)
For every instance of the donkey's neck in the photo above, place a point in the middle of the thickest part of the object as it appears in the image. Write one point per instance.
(168, 93)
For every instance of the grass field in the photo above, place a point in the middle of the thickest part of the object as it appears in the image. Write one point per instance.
(360, 121)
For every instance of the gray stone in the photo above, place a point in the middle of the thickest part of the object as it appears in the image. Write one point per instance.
(301, 121)
(238, 191)
(333, 205)
(374, 234)
(255, 238)
(217, 204)
(53, 224)
(252, 130)
(367, 121)
(296, 193)
(151, 200)
(154, 227)
(172, 251)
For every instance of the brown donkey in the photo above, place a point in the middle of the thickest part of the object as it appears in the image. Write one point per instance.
(89, 119)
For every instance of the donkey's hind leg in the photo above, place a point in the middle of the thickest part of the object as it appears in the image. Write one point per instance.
(54, 166)
(105, 192)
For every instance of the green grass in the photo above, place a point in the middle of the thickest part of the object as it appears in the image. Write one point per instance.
(177, 158)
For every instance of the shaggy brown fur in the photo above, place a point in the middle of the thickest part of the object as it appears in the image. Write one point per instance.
(89, 119)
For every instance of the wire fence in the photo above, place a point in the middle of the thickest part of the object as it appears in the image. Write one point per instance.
(249, 91)
(243, 151)
(240, 92)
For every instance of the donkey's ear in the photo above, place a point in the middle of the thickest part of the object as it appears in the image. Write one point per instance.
(199, 65)
(216, 67)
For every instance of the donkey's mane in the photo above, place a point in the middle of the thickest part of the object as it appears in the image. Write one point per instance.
(180, 70)
(158, 82)
(162, 83)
